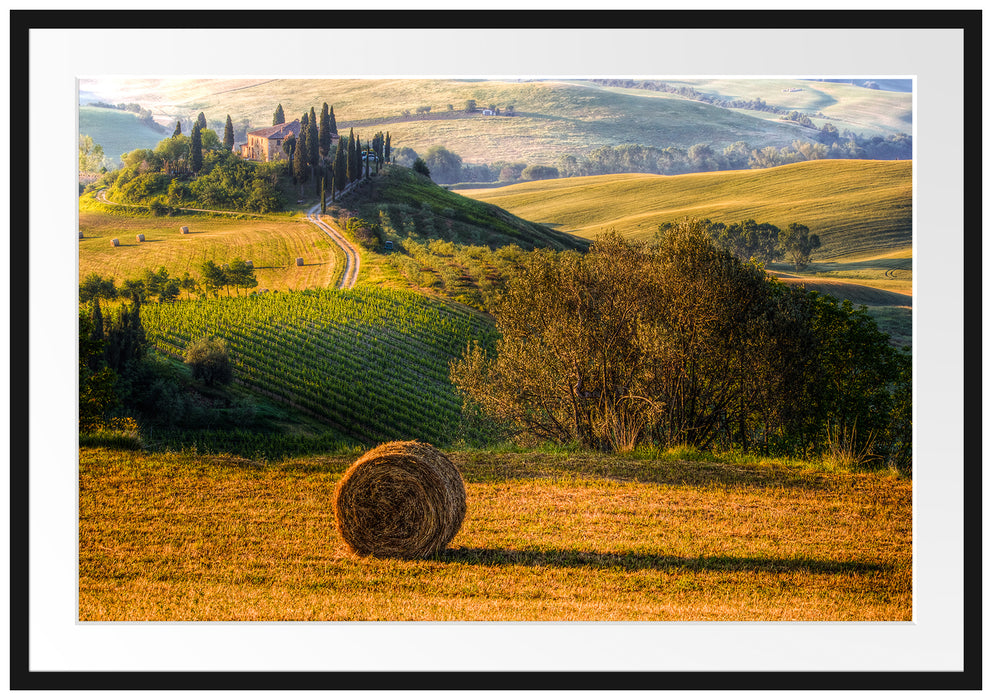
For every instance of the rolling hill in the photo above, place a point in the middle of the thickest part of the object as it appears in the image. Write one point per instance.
(117, 131)
(552, 118)
(856, 207)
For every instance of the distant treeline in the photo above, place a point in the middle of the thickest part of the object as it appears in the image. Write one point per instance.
(447, 167)
(144, 115)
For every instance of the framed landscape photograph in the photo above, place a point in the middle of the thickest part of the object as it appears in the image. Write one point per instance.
(497, 357)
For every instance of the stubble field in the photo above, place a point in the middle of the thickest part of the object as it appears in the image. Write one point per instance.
(547, 537)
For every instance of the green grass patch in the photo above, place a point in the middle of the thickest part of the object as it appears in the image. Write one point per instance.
(117, 131)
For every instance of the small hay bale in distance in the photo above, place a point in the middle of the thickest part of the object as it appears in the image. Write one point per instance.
(140, 237)
(184, 229)
(402, 500)
(80, 234)
(115, 242)
(299, 262)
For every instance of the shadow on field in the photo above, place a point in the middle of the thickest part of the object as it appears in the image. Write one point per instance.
(635, 562)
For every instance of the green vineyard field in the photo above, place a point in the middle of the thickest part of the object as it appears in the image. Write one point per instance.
(369, 364)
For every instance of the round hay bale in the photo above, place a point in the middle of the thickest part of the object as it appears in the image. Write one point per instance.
(299, 262)
(184, 229)
(80, 234)
(249, 264)
(401, 499)
(140, 237)
(114, 242)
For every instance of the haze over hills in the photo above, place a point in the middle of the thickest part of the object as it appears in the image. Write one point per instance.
(550, 118)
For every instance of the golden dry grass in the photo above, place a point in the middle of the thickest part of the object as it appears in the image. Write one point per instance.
(858, 208)
(546, 537)
(271, 242)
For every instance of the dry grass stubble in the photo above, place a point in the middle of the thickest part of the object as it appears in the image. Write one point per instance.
(174, 537)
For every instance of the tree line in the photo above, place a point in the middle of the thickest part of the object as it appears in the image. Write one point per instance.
(447, 167)
(329, 167)
(201, 170)
(762, 243)
(158, 285)
(682, 343)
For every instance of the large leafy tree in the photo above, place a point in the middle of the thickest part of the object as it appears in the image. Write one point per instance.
(210, 361)
(679, 343)
(445, 166)
(799, 244)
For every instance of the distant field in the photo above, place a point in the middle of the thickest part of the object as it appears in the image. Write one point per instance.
(848, 107)
(271, 242)
(552, 118)
(858, 208)
(117, 131)
(552, 537)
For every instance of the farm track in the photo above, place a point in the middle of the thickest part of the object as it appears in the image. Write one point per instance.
(893, 272)
(352, 260)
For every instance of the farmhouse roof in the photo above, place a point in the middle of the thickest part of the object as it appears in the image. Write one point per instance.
(279, 131)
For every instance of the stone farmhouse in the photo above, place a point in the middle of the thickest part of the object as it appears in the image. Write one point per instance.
(266, 144)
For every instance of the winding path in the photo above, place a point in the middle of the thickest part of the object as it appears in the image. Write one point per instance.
(352, 260)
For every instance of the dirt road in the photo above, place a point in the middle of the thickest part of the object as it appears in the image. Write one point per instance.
(351, 257)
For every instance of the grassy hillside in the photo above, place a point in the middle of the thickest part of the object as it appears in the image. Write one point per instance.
(117, 131)
(371, 365)
(848, 107)
(547, 537)
(552, 118)
(858, 208)
(271, 242)
(407, 204)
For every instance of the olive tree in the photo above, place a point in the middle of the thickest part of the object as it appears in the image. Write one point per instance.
(210, 361)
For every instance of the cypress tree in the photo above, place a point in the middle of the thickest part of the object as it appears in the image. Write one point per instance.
(323, 195)
(196, 149)
(386, 153)
(325, 132)
(313, 144)
(333, 123)
(352, 165)
(279, 117)
(229, 134)
(300, 169)
(340, 167)
(201, 119)
(179, 130)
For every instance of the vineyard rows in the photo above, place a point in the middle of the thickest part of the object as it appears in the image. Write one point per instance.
(372, 364)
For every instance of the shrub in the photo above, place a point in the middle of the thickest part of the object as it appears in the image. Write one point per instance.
(209, 360)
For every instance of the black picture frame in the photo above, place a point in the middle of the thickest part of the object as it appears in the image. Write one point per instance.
(23, 325)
